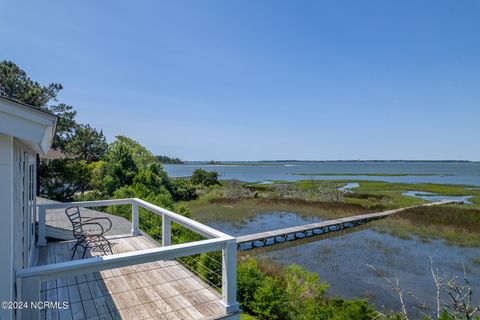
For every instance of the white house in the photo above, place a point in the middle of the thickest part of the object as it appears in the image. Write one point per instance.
(24, 133)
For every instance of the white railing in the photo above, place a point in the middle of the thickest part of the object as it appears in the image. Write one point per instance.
(29, 280)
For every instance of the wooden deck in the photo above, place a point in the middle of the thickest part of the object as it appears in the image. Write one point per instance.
(59, 227)
(266, 238)
(157, 290)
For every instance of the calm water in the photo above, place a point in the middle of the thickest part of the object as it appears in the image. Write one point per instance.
(430, 196)
(263, 222)
(446, 172)
(341, 259)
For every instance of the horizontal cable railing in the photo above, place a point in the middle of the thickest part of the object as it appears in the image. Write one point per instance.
(207, 240)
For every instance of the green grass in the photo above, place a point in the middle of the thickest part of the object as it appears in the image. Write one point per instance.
(246, 316)
(392, 192)
(456, 225)
(238, 210)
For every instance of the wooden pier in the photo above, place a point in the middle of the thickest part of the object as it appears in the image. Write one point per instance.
(268, 238)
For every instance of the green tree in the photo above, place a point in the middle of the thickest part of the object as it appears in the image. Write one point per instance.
(205, 178)
(60, 179)
(121, 169)
(15, 84)
(183, 190)
(270, 300)
(249, 279)
(168, 160)
(87, 143)
(140, 155)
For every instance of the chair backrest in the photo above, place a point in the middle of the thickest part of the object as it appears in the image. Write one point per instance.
(73, 214)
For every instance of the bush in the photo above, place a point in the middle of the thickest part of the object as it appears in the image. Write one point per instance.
(249, 278)
(209, 267)
(295, 294)
(269, 300)
(204, 178)
(60, 179)
(235, 190)
(183, 190)
(339, 309)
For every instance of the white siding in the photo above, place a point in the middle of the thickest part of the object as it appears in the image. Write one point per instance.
(6, 223)
(24, 205)
(17, 214)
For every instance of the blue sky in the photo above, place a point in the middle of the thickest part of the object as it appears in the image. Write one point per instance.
(250, 80)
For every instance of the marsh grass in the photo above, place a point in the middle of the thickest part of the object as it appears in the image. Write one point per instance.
(476, 260)
(239, 210)
(459, 218)
(455, 225)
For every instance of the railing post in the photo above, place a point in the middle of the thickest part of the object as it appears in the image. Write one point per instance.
(42, 232)
(30, 294)
(166, 231)
(229, 277)
(135, 231)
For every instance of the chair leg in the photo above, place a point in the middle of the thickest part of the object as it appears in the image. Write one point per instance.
(110, 247)
(84, 251)
(74, 249)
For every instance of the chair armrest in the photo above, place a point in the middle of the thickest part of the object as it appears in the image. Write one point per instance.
(99, 230)
(94, 220)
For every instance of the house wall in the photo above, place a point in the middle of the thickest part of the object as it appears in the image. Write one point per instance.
(24, 175)
(7, 279)
(17, 214)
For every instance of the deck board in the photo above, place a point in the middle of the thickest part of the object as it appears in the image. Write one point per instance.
(59, 227)
(156, 290)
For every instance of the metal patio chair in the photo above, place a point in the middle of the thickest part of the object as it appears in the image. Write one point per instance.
(89, 232)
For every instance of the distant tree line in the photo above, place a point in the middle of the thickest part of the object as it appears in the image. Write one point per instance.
(168, 160)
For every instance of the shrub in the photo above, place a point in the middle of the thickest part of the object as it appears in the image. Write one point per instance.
(235, 190)
(209, 267)
(183, 190)
(270, 300)
(339, 309)
(205, 178)
(249, 278)
(295, 294)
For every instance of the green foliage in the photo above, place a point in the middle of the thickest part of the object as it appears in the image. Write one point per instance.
(209, 267)
(121, 168)
(139, 154)
(269, 300)
(60, 179)
(339, 309)
(15, 84)
(249, 279)
(204, 178)
(183, 190)
(294, 294)
(87, 144)
(304, 290)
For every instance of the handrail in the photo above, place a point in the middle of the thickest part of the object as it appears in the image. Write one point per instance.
(99, 263)
(184, 221)
(85, 204)
(175, 217)
(29, 279)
